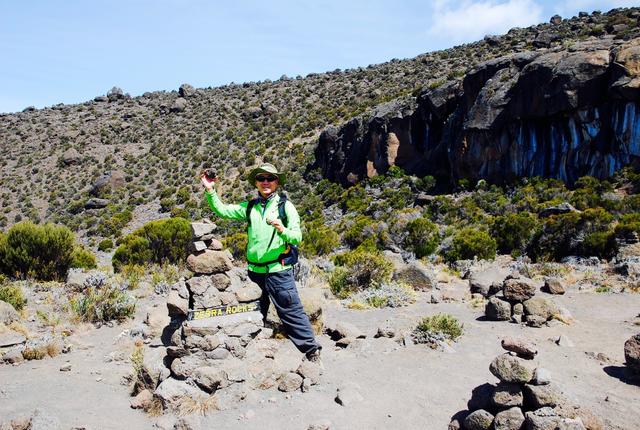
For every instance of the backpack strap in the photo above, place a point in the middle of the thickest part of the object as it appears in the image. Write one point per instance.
(250, 206)
(281, 212)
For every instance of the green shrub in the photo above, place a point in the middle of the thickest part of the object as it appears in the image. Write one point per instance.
(360, 270)
(390, 294)
(514, 232)
(83, 258)
(628, 225)
(319, 239)
(105, 245)
(469, 243)
(40, 251)
(161, 241)
(12, 294)
(435, 327)
(563, 235)
(103, 304)
(422, 238)
(601, 244)
(237, 245)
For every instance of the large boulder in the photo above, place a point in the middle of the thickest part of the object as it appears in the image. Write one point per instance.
(70, 156)
(498, 309)
(209, 262)
(417, 275)
(107, 183)
(487, 281)
(518, 289)
(7, 313)
(540, 307)
(632, 353)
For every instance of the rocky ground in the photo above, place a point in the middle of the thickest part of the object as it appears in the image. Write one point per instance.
(381, 382)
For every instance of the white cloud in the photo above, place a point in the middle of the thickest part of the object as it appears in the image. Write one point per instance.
(466, 21)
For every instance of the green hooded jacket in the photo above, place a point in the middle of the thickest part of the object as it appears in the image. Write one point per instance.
(259, 232)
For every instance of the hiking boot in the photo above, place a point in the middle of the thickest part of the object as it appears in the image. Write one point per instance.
(314, 356)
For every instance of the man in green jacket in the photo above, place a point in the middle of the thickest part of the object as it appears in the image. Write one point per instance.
(268, 241)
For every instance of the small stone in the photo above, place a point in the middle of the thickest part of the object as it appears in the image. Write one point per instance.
(571, 424)
(541, 376)
(13, 356)
(535, 321)
(518, 309)
(511, 369)
(553, 286)
(215, 245)
(540, 396)
(320, 425)
(386, 330)
(177, 305)
(542, 419)
(348, 394)
(507, 395)
(290, 382)
(65, 367)
(310, 371)
(219, 353)
(142, 400)
(478, 420)
(521, 347)
(200, 229)
(435, 297)
(210, 378)
(199, 246)
(345, 330)
(564, 342)
(510, 419)
(249, 293)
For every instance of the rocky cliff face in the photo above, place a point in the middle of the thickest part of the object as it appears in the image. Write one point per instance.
(562, 113)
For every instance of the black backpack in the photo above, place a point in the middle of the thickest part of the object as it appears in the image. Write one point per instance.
(290, 255)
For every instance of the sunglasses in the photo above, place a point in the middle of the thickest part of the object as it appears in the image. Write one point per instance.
(268, 178)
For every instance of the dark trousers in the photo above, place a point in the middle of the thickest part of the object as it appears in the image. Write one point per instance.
(280, 287)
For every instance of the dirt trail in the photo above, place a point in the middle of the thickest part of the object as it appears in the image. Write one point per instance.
(402, 387)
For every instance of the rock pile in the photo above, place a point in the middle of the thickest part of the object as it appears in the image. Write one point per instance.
(219, 349)
(514, 301)
(524, 397)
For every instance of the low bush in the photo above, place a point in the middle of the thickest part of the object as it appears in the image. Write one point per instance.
(237, 245)
(422, 237)
(40, 251)
(161, 241)
(359, 270)
(82, 258)
(513, 232)
(12, 294)
(563, 235)
(391, 294)
(103, 304)
(319, 239)
(469, 243)
(105, 245)
(436, 328)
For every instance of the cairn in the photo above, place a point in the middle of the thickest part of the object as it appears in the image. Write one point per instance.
(219, 349)
(515, 300)
(524, 397)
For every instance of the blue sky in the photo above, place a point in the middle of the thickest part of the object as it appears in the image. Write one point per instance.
(69, 51)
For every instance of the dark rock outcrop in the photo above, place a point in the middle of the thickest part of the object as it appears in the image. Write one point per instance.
(560, 113)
